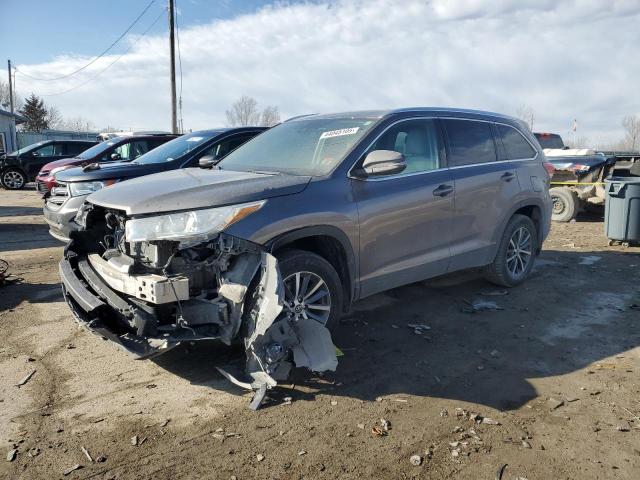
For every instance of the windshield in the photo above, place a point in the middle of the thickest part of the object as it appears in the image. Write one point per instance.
(312, 146)
(98, 149)
(26, 149)
(176, 148)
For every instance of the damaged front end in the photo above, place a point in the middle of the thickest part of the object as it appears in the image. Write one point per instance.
(150, 296)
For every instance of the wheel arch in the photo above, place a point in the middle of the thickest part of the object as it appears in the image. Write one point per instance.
(529, 208)
(330, 243)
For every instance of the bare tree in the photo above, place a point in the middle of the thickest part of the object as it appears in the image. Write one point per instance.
(54, 118)
(527, 114)
(631, 125)
(270, 117)
(4, 98)
(78, 124)
(244, 112)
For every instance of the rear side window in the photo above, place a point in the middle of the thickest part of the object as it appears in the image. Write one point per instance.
(156, 142)
(76, 148)
(138, 148)
(470, 142)
(515, 145)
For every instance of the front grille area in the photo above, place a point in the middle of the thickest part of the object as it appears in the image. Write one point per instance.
(42, 187)
(59, 195)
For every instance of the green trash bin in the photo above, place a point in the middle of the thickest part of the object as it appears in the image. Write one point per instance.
(622, 209)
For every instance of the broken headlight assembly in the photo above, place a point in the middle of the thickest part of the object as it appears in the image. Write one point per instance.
(78, 189)
(186, 227)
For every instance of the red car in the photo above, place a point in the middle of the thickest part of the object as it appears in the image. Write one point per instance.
(120, 149)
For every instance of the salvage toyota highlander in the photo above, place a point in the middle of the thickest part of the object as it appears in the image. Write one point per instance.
(271, 245)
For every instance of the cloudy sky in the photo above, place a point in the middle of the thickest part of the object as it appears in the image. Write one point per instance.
(565, 59)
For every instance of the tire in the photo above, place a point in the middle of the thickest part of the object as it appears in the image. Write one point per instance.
(566, 204)
(501, 271)
(312, 267)
(13, 179)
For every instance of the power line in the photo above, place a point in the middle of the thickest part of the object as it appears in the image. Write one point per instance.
(112, 63)
(180, 67)
(96, 58)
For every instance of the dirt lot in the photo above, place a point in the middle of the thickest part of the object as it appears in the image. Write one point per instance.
(558, 367)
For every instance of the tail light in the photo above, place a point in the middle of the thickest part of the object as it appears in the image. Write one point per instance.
(549, 168)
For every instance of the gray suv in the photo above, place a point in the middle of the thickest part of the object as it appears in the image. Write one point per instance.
(274, 243)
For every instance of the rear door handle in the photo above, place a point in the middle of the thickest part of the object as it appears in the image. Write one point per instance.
(443, 190)
(508, 176)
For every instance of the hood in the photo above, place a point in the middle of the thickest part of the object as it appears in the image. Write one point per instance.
(113, 170)
(61, 163)
(193, 188)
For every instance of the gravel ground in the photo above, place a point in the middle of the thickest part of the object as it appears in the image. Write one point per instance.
(555, 374)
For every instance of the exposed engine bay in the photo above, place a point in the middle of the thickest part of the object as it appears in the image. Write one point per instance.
(152, 296)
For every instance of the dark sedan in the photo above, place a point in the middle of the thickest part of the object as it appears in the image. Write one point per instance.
(202, 148)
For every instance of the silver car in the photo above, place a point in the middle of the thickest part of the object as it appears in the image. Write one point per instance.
(274, 243)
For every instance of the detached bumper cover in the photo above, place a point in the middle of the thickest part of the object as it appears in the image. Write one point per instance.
(88, 310)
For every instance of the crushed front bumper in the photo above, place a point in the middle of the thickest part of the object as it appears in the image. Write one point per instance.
(98, 313)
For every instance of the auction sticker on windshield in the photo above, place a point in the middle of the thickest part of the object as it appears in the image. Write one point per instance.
(339, 133)
(194, 139)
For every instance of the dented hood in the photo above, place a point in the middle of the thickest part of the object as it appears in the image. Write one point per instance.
(193, 188)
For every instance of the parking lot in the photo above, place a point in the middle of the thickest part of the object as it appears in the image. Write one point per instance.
(554, 372)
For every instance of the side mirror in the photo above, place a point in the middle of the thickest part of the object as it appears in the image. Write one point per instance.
(208, 161)
(115, 156)
(35, 154)
(383, 162)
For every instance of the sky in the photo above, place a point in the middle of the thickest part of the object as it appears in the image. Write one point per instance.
(567, 59)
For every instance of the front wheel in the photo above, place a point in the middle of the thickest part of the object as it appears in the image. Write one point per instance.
(13, 179)
(516, 253)
(312, 287)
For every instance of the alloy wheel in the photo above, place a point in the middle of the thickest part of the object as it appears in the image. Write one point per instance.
(519, 251)
(13, 180)
(306, 295)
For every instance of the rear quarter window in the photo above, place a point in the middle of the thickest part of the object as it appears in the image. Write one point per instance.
(515, 145)
(470, 142)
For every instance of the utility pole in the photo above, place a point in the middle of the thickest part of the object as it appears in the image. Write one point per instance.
(172, 50)
(10, 85)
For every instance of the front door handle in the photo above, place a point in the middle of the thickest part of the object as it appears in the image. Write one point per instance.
(508, 176)
(443, 190)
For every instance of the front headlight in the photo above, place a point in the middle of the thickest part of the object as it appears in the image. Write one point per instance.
(77, 189)
(188, 227)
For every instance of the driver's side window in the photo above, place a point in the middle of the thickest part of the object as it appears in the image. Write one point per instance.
(417, 140)
(46, 151)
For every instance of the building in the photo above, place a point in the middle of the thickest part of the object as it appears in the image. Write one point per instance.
(8, 122)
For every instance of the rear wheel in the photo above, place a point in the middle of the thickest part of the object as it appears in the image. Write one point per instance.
(565, 204)
(312, 287)
(13, 179)
(516, 253)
